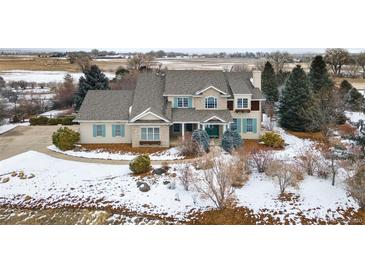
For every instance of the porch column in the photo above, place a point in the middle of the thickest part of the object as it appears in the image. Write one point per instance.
(183, 131)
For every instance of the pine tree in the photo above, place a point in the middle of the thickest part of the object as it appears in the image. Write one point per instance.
(269, 84)
(93, 79)
(345, 87)
(231, 140)
(355, 101)
(296, 104)
(318, 76)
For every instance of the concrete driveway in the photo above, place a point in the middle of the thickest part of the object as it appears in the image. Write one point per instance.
(24, 138)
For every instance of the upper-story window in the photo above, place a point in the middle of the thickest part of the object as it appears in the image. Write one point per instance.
(182, 102)
(211, 102)
(242, 103)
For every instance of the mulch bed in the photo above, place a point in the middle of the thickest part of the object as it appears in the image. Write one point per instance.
(120, 148)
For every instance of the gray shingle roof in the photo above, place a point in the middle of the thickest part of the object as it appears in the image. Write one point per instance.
(193, 115)
(240, 83)
(149, 94)
(106, 105)
(187, 82)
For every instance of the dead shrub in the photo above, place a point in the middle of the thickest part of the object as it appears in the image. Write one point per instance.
(309, 160)
(287, 174)
(217, 183)
(190, 148)
(260, 159)
(186, 176)
(240, 170)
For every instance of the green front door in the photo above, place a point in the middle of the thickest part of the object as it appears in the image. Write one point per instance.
(212, 130)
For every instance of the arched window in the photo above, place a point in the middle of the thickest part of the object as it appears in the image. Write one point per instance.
(210, 102)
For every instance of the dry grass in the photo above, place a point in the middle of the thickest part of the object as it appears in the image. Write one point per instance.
(117, 148)
(52, 64)
(338, 80)
(315, 136)
(253, 145)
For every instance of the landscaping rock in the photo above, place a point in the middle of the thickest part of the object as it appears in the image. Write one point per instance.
(166, 182)
(159, 171)
(139, 183)
(144, 187)
(172, 185)
(5, 180)
(27, 198)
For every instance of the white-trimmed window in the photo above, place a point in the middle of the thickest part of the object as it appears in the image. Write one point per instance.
(249, 125)
(99, 130)
(242, 103)
(182, 102)
(211, 102)
(150, 134)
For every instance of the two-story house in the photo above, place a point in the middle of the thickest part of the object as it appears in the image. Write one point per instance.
(169, 105)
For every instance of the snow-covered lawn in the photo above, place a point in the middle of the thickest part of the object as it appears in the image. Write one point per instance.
(168, 154)
(355, 117)
(58, 183)
(40, 76)
(7, 127)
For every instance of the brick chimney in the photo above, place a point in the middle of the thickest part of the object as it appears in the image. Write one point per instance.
(256, 77)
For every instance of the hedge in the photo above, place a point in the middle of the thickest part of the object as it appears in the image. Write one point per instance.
(42, 120)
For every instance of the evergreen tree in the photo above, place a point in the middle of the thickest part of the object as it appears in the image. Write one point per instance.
(201, 137)
(93, 79)
(231, 140)
(296, 105)
(318, 76)
(355, 100)
(269, 84)
(345, 87)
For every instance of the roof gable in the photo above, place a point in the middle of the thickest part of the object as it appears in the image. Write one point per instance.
(210, 87)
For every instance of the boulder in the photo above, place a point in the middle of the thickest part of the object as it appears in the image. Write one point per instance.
(159, 171)
(144, 187)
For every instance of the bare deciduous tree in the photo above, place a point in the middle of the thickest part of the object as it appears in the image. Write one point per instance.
(65, 92)
(356, 184)
(260, 159)
(309, 160)
(337, 58)
(286, 173)
(279, 59)
(361, 62)
(217, 183)
(141, 61)
(186, 176)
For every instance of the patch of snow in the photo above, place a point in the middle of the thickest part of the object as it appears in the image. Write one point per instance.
(355, 117)
(168, 154)
(8, 127)
(54, 113)
(40, 76)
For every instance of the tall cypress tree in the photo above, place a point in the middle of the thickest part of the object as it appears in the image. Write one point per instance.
(269, 84)
(93, 79)
(296, 102)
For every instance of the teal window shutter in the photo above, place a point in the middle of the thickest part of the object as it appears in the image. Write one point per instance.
(190, 102)
(94, 130)
(122, 130)
(254, 125)
(244, 125)
(239, 125)
(175, 102)
(103, 127)
(113, 130)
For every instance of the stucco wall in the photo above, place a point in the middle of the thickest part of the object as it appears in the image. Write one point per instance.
(164, 135)
(199, 102)
(254, 115)
(86, 133)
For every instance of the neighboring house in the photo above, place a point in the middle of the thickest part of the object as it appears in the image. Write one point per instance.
(164, 107)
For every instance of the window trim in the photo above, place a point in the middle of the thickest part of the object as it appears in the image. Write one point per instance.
(155, 132)
(242, 107)
(183, 100)
(234, 125)
(206, 102)
(97, 127)
(247, 125)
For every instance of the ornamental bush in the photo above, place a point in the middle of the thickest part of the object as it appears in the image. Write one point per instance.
(65, 138)
(66, 120)
(53, 121)
(231, 140)
(201, 137)
(140, 164)
(272, 139)
(38, 121)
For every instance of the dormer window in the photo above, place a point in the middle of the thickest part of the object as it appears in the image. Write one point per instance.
(211, 102)
(242, 103)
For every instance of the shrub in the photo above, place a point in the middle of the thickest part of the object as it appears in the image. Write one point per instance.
(65, 138)
(357, 185)
(260, 159)
(202, 138)
(53, 121)
(309, 161)
(272, 139)
(67, 120)
(140, 164)
(38, 121)
(190, 148)
(287, 174)
(186, 177)
(231, 140)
